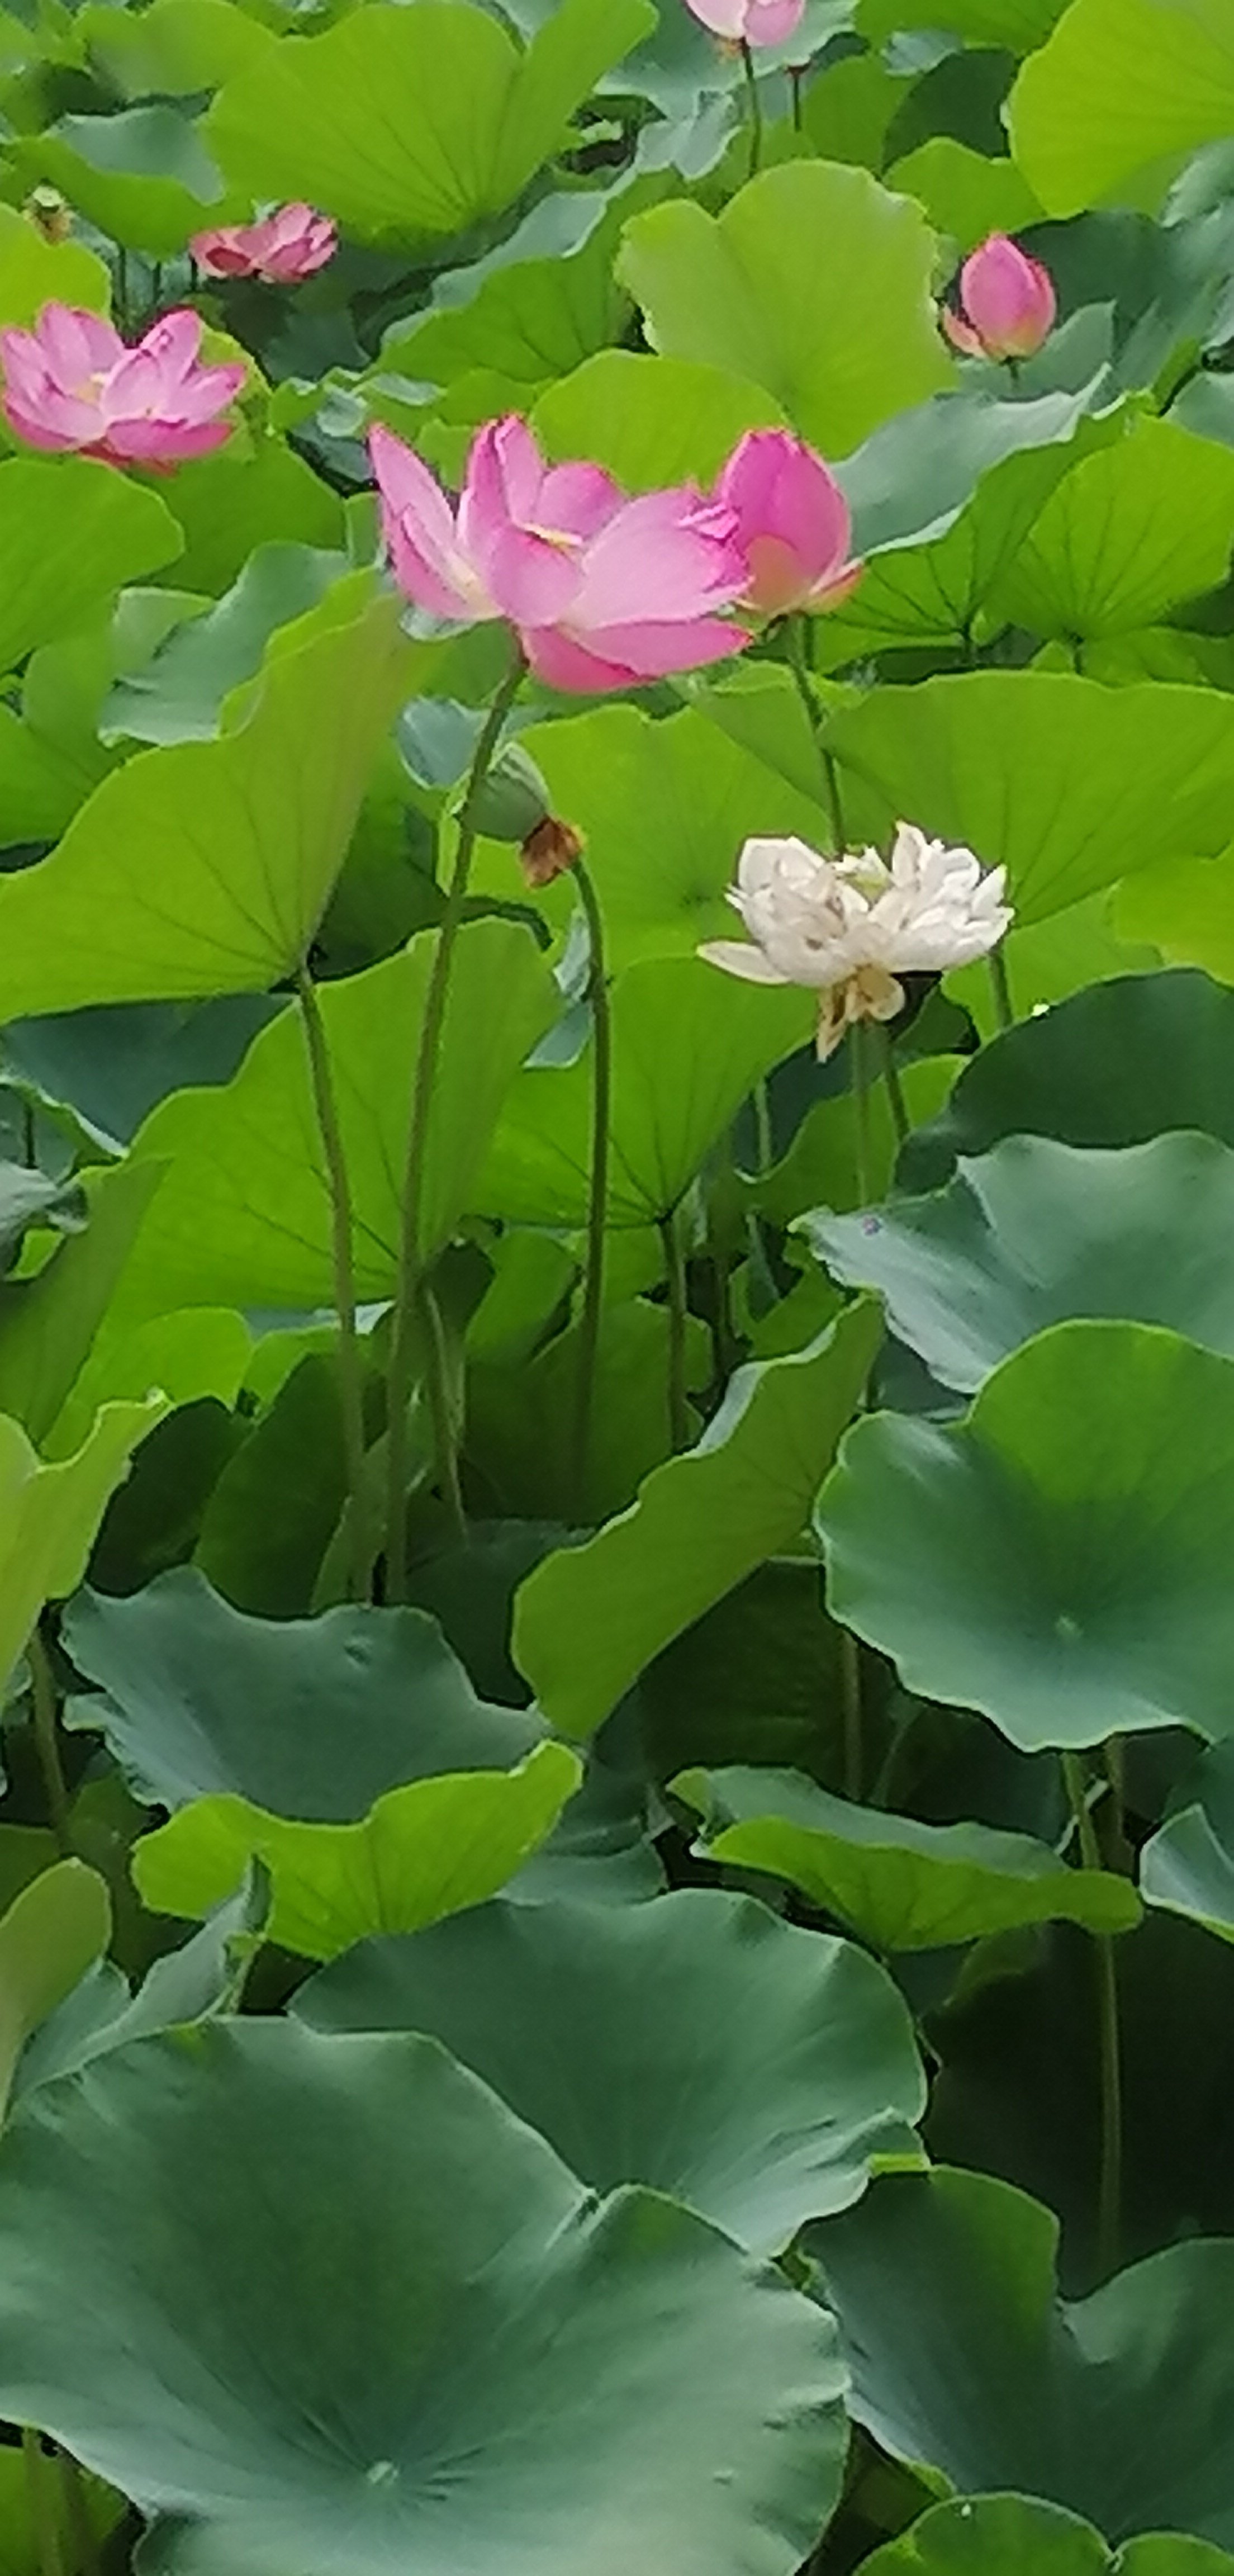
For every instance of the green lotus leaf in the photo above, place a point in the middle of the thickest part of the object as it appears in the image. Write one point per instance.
(900, 1884)
(1035, 1232)
(1056, 1559)
(776, 2070)
(966, 2361)
(419, 2339)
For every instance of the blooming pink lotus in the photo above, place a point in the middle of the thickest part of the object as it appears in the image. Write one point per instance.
(604, 591)
(283, 247)
(1007, 303)
(72, 384)
(793, 524)
(750, 22)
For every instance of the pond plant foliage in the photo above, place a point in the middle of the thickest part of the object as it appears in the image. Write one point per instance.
(617, 1319)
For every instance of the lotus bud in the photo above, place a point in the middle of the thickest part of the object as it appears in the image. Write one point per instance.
(512, 800)
(1007, 305)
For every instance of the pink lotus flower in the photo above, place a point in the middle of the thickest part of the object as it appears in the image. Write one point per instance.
(793, 524)
(71, 384)
(750, 22)
(604, 591)
(291, 244)
(1007, 303)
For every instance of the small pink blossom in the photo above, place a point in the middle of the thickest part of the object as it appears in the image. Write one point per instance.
(284, 247)
(750, 22)
(793, 525)
(71, 384)
(604, 591)
(1007, 305)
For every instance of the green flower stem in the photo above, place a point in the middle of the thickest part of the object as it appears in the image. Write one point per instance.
(796, 82)
(351, 1375)
(407, 1292)
(1004, 1012)
(1110, 2184)
(44, 2519)
(77, 2512)
(859, 1040)
(763, 1142)
(894, 1089)
(675, 1266)
(850, 1705)
(441, 1405)
(47, 1743)
(597, 1200)
(756, 111)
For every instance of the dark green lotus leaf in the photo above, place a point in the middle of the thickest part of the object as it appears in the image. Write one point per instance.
(776, 2070)
(309, 1718)
(325, 2304)
(1035, 1232)
(1059, 1558)
(901, 1884)
(965, 2359)
(205, 1976)
(1010, 2535)
(1115, 1065)
(1188, 1866)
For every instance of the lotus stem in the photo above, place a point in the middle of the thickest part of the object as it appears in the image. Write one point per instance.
(674, 1262)
(409, 1269)
(47, 1742)
(441, 1405)
(44, 2518)
(850, 1703)
(858, 1041)
(597, 1187)
(756, 111)
(796, 83)
(351, 1375)
(895, 1090)
(1004, 1012)
(1110, 2179)
(81, 2530)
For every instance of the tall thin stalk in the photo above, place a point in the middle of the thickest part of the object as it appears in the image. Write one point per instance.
(755, 107)
(850, 1706)
(1110, 2181)
(47, 1742)
(407, 1291)
(900, 1120)
(597, 1187)
(858, 1040)
(44, 2515)
(81, 2529)
(675, 1266)
(1004, 1012)
(351, 1374)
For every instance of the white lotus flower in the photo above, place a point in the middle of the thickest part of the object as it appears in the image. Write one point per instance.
(851, 926)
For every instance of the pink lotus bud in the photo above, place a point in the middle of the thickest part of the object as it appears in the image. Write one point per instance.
(793, 525)
(71, 384)
(1007, 303)
(750, 22)
(604, 592)
(291, 244)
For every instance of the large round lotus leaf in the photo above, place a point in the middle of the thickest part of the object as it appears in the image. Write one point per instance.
(313, 1718)
(1060, 1558)
(325, 2305)
(965, 2359)
(1114, 1065)
(1188, 1866)
(774, 2068)
(1036, 1232)
(902, 1885)
(1006, 2535)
